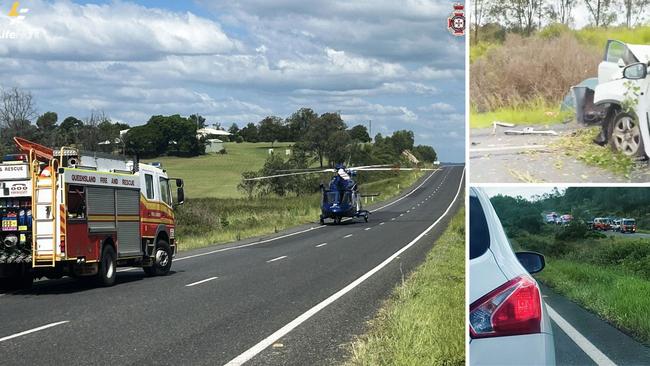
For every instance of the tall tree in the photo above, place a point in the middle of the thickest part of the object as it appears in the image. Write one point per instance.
(17, 110)
(359, 133)
(601, 12)
(198, 121)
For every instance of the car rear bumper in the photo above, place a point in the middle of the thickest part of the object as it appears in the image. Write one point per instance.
(530, 349)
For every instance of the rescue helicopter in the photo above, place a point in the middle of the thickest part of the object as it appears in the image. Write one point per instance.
(341, 198)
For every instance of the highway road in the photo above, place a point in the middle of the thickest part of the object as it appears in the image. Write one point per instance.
(296, 298)
(582, 338)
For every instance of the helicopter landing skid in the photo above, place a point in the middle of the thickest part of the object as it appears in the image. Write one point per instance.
(337, 220)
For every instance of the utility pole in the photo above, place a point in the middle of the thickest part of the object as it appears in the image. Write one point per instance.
(370, 129)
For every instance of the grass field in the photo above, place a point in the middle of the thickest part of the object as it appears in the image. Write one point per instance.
(537, 113)
(423, 323)
(217, 175)
(613, 294)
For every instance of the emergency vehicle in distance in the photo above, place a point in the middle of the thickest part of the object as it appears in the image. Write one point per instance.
(66, 212)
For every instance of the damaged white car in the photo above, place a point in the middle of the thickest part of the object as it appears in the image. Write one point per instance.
(620, 101)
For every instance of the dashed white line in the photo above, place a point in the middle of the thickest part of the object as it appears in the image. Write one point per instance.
(381, 223)
(393, 219)
(321, 245)
(32, 330)
(400, 215)
(408, 211)
(580, 340)
(200, 282)
(347, 236)
(266, 342)
(276, 259)
(368, 228)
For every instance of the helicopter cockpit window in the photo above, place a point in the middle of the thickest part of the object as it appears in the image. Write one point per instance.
(332, 197)
(347, 198)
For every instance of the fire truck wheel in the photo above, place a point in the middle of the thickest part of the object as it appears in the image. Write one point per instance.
(162, 261)
(106, 274)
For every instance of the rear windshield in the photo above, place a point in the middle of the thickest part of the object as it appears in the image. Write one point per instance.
(628, 222)
(479, 234)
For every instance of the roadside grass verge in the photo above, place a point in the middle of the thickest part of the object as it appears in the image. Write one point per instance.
(207, 221)
(532, 113)
(612, 293)
(423, 323)
(609, 275)
(580, 145)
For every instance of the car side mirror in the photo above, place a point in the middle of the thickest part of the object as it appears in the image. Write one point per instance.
(635, 71)
(180, 195)
(179, 182)
(532, 262)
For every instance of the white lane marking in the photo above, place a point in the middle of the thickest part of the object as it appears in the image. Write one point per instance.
(368, 228)
(291, 234)
(200, 282)
(400, 215)
(410, 193)
(381, 223)
(321, 245)
(347, 236)
(263, 344)
(407, 211)
(580, 340)
(521, 147)
(276, 259)
(393, 219)
(32, 330)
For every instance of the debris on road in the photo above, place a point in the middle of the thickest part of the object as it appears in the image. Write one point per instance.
(531, 131)
(502, 124)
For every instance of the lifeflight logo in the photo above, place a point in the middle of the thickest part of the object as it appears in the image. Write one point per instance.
(15, 13)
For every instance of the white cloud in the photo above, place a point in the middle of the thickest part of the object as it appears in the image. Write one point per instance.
(438, 107)
(116, 31)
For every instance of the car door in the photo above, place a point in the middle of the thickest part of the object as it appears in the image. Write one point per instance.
(617, 55)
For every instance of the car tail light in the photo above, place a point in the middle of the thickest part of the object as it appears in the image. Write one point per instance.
(513, 308)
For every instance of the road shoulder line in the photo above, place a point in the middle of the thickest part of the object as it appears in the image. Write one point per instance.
(581, 341)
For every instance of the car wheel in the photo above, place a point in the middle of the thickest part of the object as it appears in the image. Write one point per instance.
(107, 267)
(625, 135)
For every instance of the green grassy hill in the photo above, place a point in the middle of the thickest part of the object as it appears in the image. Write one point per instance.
(217, 175)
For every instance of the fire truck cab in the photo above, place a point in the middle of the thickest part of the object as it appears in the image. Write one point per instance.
(84, 214)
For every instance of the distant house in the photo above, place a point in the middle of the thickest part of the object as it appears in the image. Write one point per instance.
(213, 146)
(211, 132)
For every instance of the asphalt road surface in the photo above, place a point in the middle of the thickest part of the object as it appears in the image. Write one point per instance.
(582, 338)
(296, 298)
(500, 158)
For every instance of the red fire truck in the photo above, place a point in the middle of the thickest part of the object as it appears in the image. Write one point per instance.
(67, 212)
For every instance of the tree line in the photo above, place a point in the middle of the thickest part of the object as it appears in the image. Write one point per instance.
(584, 203)
(325, 138)
(526, 16)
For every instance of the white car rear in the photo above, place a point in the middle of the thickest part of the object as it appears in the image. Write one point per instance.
(509, 324)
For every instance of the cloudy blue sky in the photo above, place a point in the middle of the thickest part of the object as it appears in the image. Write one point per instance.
(392, 62)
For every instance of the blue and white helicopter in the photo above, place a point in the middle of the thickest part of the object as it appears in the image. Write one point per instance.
(341, 197)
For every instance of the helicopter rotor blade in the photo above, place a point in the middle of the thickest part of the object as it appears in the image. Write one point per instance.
(395, 169)
(291, 174)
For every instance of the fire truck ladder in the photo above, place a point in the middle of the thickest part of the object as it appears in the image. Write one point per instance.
(44, 215)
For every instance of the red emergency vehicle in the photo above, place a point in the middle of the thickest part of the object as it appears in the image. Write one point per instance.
(67, 212)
